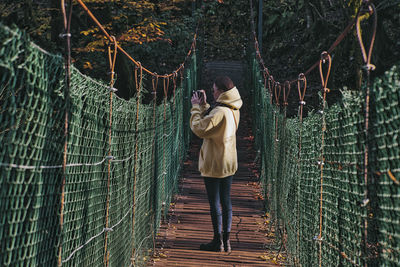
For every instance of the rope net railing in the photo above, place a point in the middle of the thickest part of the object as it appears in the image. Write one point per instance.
(85, 177)
(291, 162)
(331, 180)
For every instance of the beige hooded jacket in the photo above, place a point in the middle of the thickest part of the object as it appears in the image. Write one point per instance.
(218, 156)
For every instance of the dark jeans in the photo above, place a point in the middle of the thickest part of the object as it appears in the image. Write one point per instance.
(219, 195)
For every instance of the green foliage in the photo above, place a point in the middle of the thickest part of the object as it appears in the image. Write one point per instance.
(157, 33)
(226, 29)
(295, 32)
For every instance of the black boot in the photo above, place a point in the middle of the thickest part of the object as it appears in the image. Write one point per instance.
(215, 245)
(227, 242)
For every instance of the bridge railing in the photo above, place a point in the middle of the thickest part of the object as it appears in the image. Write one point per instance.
(104, 205)
(313, 175)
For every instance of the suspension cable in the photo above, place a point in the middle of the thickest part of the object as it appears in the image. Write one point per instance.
(67, 60)
(368, 67)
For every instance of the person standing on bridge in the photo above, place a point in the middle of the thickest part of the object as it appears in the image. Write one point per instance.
(218, 157)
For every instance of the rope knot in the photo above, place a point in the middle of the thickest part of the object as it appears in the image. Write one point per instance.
(369, 67)
(324, 56)
(317, 238)
(366, 7)
(63, 35)
(110, 157)
(364, 203)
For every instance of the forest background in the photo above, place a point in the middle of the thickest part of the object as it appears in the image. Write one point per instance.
(159, 33)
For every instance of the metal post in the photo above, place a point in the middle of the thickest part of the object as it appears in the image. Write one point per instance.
(260, 16)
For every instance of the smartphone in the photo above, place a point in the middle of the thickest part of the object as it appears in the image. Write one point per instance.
(198, 93)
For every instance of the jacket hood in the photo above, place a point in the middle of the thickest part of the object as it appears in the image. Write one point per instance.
(231, 98)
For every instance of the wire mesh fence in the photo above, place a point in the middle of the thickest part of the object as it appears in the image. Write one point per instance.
(106, 207)
(315, 189)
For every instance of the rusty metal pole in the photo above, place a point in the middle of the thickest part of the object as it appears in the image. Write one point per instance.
(260, 19)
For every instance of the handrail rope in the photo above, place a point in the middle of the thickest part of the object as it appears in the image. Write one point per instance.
(277, 96)
(324, 80)
(165, 84)
(302, 93)
(174, 78)
(154, 82)
(265, 81)
(271, 83)
(341, 165)
(174, 102)
(153, 151)
(286, 86)
(367, 58)
(286, 92)
(112, 56)
(67, 64)
(325, 57)
(136, 78)
(301, 78)
(95, 20)
(174, 105)
(181, 72)
(138, 89)
(32, 167)
(369, 8)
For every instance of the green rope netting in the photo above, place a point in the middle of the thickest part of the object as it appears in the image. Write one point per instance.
(291, 175)
(32, 119)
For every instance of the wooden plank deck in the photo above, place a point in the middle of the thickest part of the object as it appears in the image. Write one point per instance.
(189, 224)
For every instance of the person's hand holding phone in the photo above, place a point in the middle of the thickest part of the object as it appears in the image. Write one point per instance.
(199, 97)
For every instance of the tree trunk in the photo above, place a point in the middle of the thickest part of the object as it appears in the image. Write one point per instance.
(30, 20)
(308, 13)
(56, 23)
